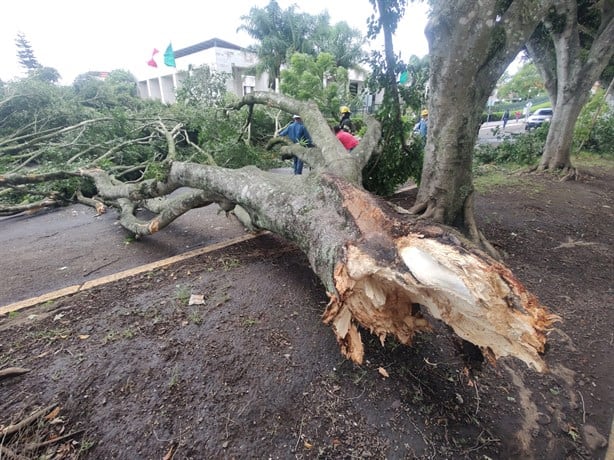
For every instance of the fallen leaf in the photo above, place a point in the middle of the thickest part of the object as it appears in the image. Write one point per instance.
(308, 445)
(84, 336)
(383, 372)
(53, 414)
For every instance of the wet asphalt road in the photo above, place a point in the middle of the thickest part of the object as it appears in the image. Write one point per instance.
(62, 247)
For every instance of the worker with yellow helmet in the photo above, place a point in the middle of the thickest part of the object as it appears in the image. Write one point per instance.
(345, 123)
(423, 123)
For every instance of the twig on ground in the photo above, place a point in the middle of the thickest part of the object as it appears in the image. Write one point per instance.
(39, 445)
(477, 397)
(583, 408)
(7, 453)
(300, 433)
(25, 422)
(100, 267)
(12, 372)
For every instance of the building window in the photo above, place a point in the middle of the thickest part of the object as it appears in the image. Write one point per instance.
(249, 84)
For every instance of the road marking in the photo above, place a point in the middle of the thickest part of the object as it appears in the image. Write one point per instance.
(54, 295)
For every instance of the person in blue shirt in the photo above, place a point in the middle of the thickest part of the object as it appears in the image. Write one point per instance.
(423, 124)
(298, 134)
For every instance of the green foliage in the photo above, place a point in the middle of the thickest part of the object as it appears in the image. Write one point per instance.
(281, 33)
(594, 129)
(397, 159)
(202, 87)
(524, 149)
(116, 91)
(392, 167)
(524, 84)
(342, 42)
(304, 80)
(413, 91)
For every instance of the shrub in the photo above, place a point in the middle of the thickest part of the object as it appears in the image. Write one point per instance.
(524, 149)
(594, 129)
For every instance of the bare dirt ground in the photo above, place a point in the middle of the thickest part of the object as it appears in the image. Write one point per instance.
(131, 370)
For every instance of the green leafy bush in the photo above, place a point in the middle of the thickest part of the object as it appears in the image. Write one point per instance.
(524, 149)
(594, 129)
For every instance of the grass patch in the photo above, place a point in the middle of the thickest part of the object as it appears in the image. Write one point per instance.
(182, 293)
(489, 177)
(589, 160)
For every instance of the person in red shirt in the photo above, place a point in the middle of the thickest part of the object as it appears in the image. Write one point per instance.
(348, 141)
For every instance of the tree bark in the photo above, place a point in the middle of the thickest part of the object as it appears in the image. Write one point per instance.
(470, 48)
(577, 69)
(377, 265)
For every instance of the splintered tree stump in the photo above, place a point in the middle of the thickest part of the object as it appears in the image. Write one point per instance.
(398, 265)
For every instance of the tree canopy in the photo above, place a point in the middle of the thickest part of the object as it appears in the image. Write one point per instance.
(525, 83)
(281, 33)
(571, 47)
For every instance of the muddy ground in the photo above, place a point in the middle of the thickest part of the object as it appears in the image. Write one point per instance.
(133, 371)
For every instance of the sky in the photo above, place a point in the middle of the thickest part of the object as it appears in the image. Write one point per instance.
(75, 37)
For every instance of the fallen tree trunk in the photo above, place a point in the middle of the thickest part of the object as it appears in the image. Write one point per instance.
(378, 265)
(385, 271)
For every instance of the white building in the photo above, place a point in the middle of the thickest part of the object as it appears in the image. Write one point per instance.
(220, 56)
(223, 56)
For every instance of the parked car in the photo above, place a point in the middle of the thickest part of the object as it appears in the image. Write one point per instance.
(538, 118)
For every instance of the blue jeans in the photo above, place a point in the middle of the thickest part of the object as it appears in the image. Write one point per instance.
(298, 166)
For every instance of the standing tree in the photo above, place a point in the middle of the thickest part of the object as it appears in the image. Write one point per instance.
(279, 33)
(395, 159)
(342, 42)
(571, 49)
(470, 46)
(25, 54)
(522, 84)
(316, 79)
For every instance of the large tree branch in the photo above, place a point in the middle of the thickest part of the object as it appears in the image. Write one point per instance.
(329, 155)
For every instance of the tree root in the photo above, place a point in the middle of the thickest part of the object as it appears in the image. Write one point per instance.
(475, 234)
(571, 173)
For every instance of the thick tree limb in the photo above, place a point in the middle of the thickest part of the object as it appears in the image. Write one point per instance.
(377, 265)
(11, 180)
(50, 202)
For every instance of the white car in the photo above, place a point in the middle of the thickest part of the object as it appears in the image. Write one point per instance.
(538, 118)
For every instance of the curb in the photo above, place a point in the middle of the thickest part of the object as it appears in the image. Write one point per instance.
(121, 275)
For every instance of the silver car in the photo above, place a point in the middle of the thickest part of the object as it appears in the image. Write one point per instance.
(538, 118)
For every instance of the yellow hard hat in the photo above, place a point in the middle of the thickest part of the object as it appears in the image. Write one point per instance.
(344, 109)
(425, 113)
